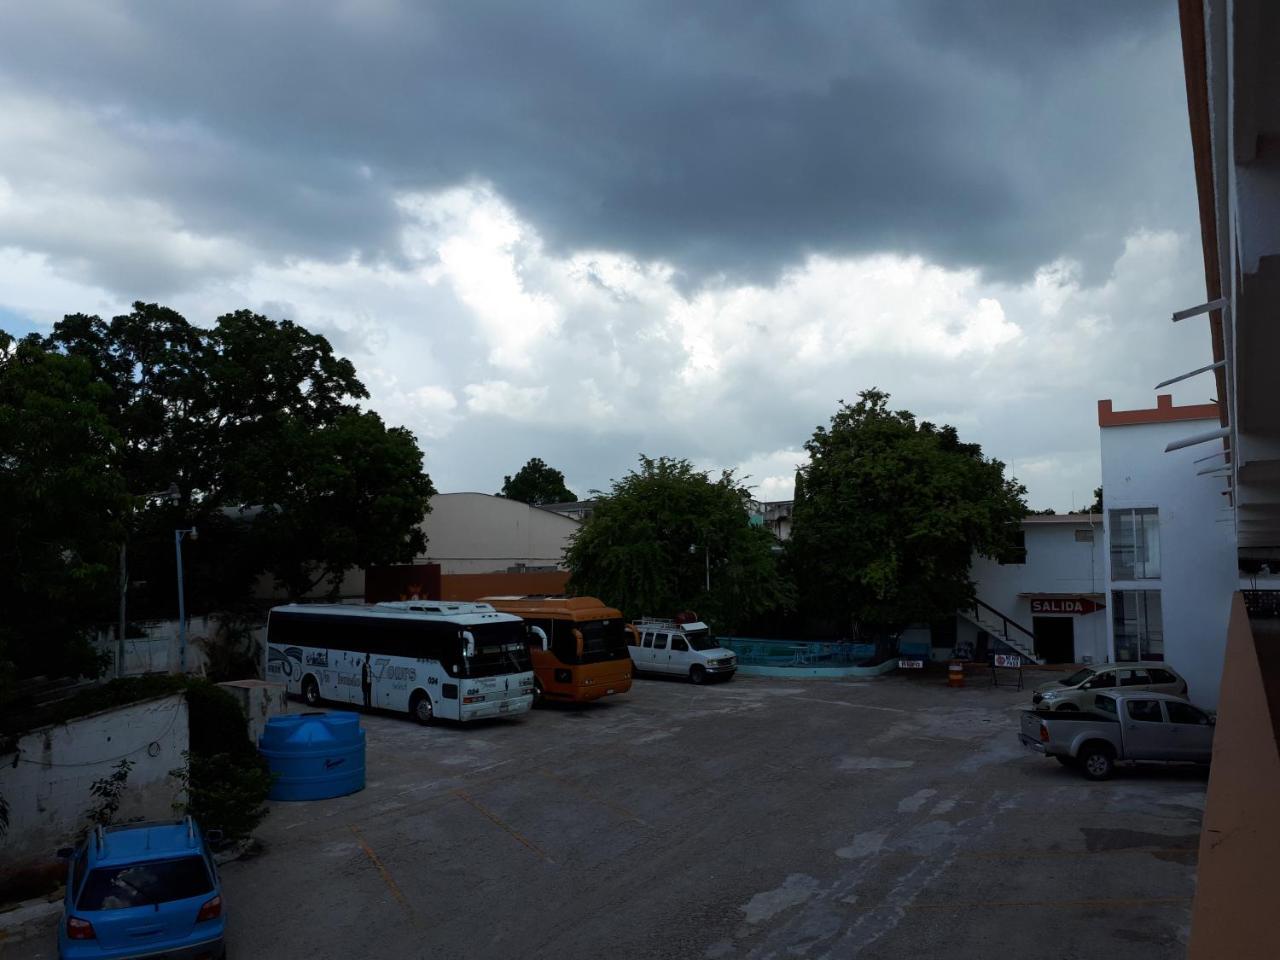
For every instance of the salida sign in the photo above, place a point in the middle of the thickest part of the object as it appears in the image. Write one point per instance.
(1070, 605)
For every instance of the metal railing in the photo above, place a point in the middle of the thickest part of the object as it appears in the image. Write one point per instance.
(1262, 604)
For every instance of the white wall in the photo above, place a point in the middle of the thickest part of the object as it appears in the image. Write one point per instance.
(48, 790)
(1056, 563)
(477, 533)
(1198, 568)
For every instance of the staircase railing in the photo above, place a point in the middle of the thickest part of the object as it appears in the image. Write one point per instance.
(1006, 623)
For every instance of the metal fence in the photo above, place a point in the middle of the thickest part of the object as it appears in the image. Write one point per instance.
(756, 651)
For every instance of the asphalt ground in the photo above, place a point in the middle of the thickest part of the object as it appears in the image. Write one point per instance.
(760, 818)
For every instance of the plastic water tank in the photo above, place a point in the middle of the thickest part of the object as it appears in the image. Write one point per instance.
(314, 755)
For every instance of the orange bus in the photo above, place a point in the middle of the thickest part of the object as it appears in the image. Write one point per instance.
(586, 656)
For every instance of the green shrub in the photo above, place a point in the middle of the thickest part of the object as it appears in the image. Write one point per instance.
(218, 723)
(225, 792)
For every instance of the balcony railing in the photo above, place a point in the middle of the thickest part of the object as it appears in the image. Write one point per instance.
(1262, 604)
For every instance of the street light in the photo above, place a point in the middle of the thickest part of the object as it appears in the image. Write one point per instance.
(173, 496)
(693, 548)
(182, 606)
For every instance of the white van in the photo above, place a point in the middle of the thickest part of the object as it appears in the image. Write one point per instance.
(681, 649)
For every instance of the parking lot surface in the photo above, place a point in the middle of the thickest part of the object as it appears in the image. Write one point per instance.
(893, 818)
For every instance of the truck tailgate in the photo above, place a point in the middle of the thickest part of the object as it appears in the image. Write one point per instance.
(1030, 733)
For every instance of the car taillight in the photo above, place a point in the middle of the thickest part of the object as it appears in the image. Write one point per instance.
(211, 910)
(1044, 733)
(78, 929)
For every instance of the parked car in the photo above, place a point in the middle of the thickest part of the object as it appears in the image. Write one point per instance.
(142, 890)
(1121, 727)
(1075, 691)
(681, 649)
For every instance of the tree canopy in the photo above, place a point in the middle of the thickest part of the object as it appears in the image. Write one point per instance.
(888, 514)
(650, 542)
(537, 483)
(254, 422)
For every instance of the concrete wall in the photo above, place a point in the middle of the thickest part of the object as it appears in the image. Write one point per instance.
(260, 701)
(473, 586)
(1240, 839)
(48, 789)
(1056, 563)
(1198, 569)
(158, 650)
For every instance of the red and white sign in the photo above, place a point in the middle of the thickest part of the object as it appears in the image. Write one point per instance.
(1008, 660)
(1068, 605)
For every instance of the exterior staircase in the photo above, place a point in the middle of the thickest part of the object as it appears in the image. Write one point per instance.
(1003, 631)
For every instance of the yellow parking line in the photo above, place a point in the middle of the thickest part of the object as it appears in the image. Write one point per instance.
(383, 872)
(533, 847)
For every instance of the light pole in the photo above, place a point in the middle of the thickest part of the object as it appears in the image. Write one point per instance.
(173, 496)
(182, 603)
(693, 548)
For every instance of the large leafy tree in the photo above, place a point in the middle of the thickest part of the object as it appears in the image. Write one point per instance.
(64, 503)
(252, 413)
(537, 483)
(650, 543)
(888, 514)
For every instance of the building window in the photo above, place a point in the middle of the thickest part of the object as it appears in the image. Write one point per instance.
(1017, 553)
(1135, 544)
(1139, 627)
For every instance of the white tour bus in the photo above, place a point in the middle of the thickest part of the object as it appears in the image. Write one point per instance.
(459, 661)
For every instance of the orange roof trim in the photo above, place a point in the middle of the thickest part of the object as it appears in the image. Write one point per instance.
(1165, 412)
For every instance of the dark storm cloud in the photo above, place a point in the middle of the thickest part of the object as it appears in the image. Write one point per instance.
(728, 137)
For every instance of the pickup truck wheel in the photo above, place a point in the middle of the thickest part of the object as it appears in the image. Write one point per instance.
(1097, 763)
(1067, 708)
(697, 673)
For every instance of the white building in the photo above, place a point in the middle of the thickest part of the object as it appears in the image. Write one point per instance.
(1049, 598)
(1171, 558)
(479, 533)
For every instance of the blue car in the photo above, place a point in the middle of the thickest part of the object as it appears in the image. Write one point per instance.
(143, 890)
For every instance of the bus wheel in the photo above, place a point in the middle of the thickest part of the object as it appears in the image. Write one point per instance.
(310, 691)
(697, 673)
(537, 692)
(420, 708)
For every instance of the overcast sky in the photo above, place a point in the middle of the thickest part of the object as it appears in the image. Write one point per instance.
(585, 230)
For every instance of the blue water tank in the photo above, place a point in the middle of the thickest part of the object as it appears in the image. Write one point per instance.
(314, 755)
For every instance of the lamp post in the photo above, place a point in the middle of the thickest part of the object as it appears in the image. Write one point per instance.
(182, 603)
(173, 496)
(693, 548)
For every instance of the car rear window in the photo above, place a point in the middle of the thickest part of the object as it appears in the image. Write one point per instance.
(143, 884)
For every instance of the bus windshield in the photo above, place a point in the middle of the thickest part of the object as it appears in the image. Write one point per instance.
(701, 640)
(500, 648)
(603, 640)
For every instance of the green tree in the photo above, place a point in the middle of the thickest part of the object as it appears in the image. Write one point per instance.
(537, 483)
(890, 515)
(1096, 506)
(64, 503)
(650, 543)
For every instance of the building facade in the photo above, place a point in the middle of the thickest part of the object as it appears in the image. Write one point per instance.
(1171, 550)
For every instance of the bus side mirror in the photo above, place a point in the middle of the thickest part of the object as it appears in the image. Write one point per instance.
(541, 636)
(469, 643)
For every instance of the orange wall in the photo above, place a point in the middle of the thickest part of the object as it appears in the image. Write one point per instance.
(473, 586)
(1235, 905)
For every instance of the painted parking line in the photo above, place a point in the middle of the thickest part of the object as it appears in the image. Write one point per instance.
(384, 873)
(499, 822)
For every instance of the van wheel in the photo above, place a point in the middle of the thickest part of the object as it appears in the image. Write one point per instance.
(1067, 708)
(697, 673)
(310, 691)
(1097, 762)
(420, 708)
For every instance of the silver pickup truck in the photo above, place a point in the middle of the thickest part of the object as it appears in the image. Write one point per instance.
(1121, 728)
